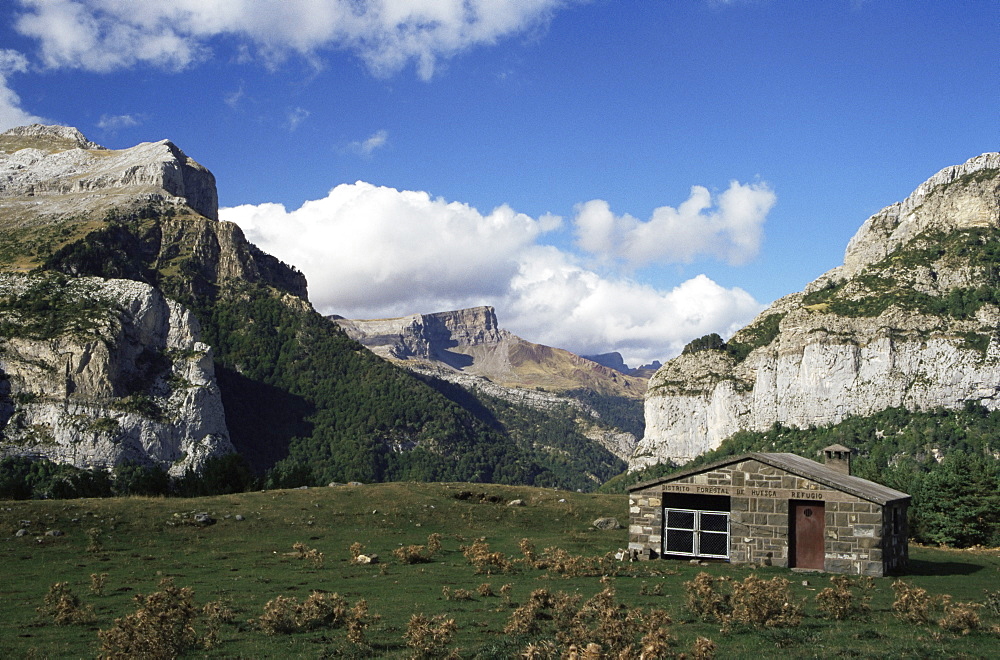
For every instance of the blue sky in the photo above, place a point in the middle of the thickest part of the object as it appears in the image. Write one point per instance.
(610, 175)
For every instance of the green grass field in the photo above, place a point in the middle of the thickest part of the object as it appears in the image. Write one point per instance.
(244, 564)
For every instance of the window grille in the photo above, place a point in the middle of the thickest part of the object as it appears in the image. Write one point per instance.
(696, 533)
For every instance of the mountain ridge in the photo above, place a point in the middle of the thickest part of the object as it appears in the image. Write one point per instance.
(910, 320)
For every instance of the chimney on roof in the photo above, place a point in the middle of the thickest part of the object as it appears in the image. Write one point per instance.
(838, 457)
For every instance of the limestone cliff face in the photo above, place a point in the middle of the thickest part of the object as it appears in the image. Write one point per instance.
(909, 320)
(104, 367)
(118, 374)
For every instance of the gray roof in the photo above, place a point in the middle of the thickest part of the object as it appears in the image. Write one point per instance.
(799, 466)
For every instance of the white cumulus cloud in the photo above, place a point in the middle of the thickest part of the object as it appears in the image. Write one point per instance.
(372, 251)
(103, 35)
(556, 302)
(375, 252)
(728, 227)
(11, 113)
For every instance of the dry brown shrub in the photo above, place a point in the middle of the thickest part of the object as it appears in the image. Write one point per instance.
(764, 603)
(841, 602)
(428, 637)
(284, 615)
(603, 621)
(541, 650)
(485, 590)
(279, 617)
(302, 551)
(912, 604)
(457, 594)
(528, 550)
(961, 617)
(419, 554)
(704, 600)
(321, 610)
(64, 606)
(97, 583)
(162, 626)
(557, 561)
(525, 619)
(358, 621)
(412, 554)
(485, 560)
(656, 643)
(434, 544)
(604, 626)
(356, 550)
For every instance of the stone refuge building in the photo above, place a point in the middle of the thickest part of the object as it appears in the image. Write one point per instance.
(773, 509)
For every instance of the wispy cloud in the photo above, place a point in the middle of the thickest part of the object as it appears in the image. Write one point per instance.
(103, 35)
(367, 147)
(117, 122)
(372, 251)
(295, 117)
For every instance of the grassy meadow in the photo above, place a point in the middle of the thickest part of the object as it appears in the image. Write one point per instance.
(291, 543)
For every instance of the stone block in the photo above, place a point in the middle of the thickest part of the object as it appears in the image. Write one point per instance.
(777, 519)
(869, 518)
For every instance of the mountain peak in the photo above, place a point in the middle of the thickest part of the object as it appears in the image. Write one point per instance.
(58, 171)
(966, 205)
(43, 137)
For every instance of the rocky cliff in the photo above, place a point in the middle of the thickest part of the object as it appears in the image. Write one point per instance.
(470, 342)
(147, 213)
(909, 320)
(97, 372)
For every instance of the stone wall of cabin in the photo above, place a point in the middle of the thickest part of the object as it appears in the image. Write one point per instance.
(759, 519)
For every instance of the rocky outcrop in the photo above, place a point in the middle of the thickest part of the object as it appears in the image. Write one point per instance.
(97, 372)
(909, 320)
(84, 177)
(467, 347)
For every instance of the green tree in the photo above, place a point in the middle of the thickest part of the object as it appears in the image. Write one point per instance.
(958, 503)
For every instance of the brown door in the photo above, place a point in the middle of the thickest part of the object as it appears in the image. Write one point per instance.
(808, 521)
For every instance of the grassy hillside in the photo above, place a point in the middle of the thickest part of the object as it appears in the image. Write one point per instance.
(134, 543)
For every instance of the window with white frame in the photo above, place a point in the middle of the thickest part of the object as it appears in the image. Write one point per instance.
(696, 533)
